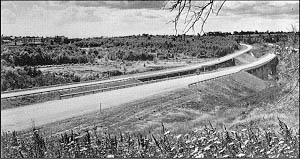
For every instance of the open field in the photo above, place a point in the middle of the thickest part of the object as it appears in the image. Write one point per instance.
(86, 70)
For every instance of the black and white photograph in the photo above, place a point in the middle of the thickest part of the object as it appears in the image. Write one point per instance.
(177, 79)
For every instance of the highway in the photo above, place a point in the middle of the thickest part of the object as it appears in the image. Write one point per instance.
(190, 67)
(47, 112)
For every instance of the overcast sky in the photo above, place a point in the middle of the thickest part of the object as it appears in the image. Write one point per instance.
(119, 18)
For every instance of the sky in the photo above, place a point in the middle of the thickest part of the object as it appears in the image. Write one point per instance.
(81, 19)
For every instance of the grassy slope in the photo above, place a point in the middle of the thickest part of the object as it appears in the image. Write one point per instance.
(223, 101)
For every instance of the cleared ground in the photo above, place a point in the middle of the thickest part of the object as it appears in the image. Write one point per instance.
(128, 67)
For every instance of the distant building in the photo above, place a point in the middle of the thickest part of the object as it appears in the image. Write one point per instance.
(61, 39)
(32, 40)
(5, 41)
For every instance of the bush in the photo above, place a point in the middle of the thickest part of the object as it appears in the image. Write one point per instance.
(205, 142)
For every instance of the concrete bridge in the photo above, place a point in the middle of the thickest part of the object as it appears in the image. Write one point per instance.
(261, 68)
(262, 71)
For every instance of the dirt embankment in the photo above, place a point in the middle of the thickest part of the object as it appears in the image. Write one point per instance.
(224, 101)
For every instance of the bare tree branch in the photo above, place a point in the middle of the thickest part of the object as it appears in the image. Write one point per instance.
(221, 7)
(193, 13)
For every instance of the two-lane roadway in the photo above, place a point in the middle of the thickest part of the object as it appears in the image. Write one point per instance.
(43, 113)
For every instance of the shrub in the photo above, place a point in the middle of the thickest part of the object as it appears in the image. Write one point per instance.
(204, 142)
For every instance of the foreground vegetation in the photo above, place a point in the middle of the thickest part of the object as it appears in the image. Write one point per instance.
(205, 142)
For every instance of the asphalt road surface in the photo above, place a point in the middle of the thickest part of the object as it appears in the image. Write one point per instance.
(47, 112)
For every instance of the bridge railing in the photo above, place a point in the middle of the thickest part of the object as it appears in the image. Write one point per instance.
(262, 64)
(245, 69)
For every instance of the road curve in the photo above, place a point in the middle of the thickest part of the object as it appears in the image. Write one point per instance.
(47, 112)
(190, 67)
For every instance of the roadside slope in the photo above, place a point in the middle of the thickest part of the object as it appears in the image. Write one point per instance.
(221, 101)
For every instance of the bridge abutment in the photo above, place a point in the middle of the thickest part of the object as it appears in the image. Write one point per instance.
(264, 71)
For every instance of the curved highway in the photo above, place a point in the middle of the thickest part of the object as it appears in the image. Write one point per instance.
(43, 113)
(190, 67)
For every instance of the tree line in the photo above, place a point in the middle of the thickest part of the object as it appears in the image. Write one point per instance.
(28, 77)
(147, 47)
(45, 55)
